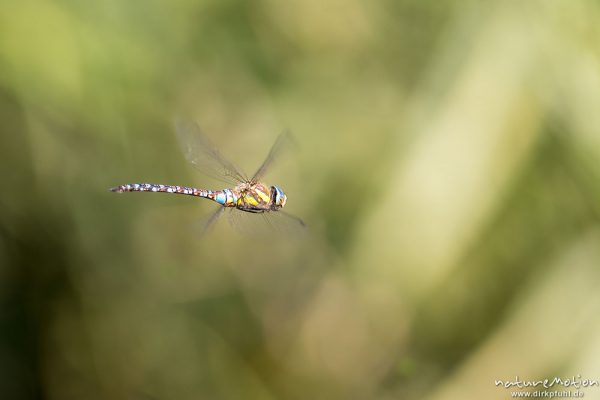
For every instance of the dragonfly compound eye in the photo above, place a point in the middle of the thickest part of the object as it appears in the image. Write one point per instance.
(279, 198)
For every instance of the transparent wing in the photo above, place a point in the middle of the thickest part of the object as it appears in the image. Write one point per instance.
(204, 225)
(201, 153)
(272, 224)
(283, 141)
(210, 222)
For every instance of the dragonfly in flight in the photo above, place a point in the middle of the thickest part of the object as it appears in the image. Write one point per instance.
(247, 195)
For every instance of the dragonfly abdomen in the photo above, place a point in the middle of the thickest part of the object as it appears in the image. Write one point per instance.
(225, 197)
(152, 187)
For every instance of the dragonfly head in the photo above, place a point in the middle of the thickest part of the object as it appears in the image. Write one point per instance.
(278, 198)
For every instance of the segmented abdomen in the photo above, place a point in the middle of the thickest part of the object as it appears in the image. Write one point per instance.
(151, 187)
(224, 197)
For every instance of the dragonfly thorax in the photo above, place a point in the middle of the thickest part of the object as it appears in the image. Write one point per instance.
(258, 197)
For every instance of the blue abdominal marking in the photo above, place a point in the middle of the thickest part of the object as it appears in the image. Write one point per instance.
(221, 198)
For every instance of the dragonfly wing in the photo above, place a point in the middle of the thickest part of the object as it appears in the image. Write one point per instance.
(209, 222)
(272, 224)
(283, 141)
(290, 219)
(201, 153)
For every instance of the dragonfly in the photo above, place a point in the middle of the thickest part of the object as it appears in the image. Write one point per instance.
(246, 196)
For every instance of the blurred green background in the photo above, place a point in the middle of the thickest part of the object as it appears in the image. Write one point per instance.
(447, 165)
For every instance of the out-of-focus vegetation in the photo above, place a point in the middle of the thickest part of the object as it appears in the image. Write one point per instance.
(447, 165)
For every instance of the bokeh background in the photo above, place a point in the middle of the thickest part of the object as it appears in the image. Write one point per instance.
(446, 163)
